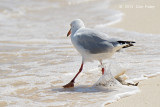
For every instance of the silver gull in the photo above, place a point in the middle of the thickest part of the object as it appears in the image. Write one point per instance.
(93, 45)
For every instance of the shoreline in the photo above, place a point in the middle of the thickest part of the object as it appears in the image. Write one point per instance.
(142, 20)
(148, 97)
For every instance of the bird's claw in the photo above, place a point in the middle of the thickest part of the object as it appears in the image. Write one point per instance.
(69, 85)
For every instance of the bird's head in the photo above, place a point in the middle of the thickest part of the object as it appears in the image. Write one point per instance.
(75, 25)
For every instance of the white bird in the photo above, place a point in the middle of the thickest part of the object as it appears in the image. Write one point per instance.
(93, 45)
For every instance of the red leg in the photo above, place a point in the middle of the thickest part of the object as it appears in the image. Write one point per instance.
(102, 68)
(71, 83)
(102, 71)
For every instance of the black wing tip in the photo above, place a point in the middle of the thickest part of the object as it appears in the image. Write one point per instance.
(126, 42)
(133, 42)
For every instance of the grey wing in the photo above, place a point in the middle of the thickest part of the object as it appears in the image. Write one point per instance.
(94, 43)
(114, 41)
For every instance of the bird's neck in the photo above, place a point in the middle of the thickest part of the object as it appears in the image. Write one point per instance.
(75, 29)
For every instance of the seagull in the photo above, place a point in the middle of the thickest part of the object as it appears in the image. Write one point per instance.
(93, 45)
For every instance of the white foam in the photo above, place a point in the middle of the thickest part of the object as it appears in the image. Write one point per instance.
(107, 80)
(121, 95)
(112, 20)
(72, 2)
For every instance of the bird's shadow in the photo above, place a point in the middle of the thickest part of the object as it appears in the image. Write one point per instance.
(84, 89)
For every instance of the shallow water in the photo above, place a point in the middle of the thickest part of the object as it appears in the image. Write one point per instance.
(37, 58)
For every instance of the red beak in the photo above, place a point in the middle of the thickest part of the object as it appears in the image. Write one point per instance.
(69, 32)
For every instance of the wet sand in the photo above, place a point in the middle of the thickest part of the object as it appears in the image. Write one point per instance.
(143, 20)
(148, 97)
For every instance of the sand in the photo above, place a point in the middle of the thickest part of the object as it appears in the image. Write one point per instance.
(141, 19)
(148, 97)
(139, 15)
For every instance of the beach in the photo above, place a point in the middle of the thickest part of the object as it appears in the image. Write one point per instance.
(148, 97)
(140, 16)
(37, 57)
(140, 20)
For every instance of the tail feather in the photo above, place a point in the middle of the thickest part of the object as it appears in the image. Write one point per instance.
(126, 43)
